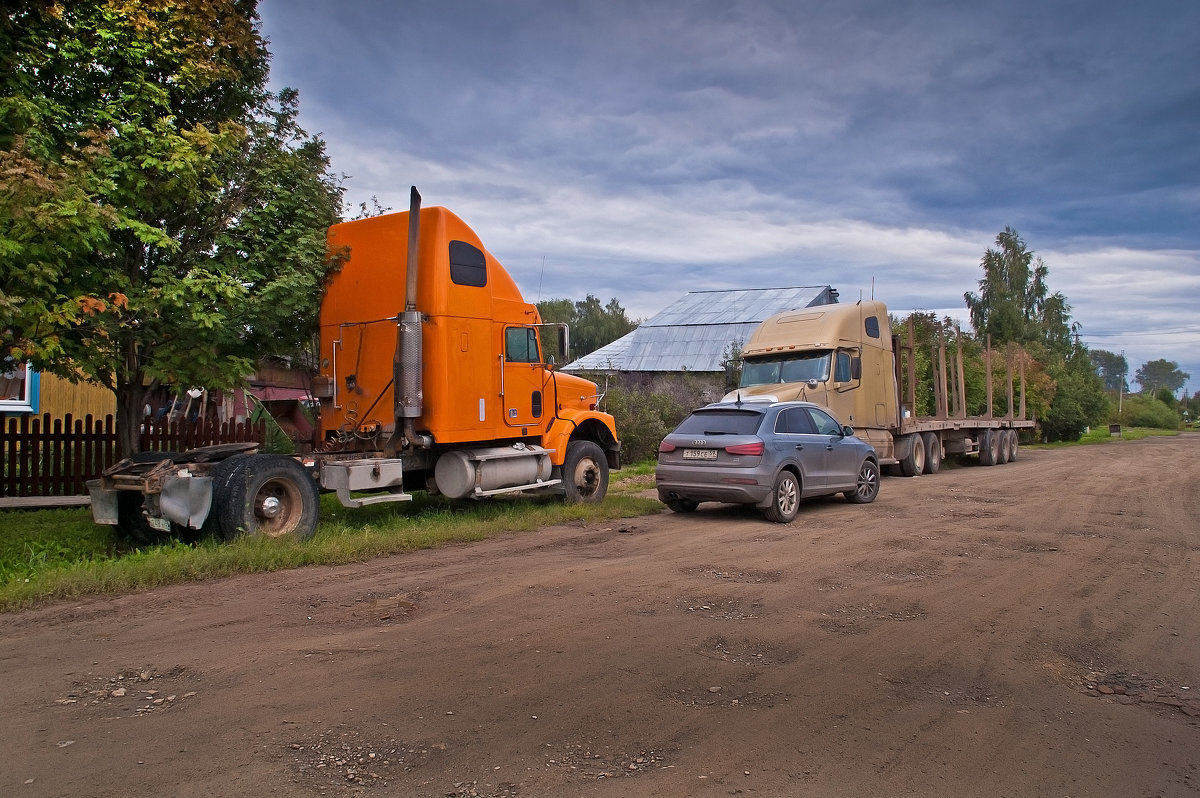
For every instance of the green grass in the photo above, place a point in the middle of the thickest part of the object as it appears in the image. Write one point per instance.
(1102, 435)
(60, 554)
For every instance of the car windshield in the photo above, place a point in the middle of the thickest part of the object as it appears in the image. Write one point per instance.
(720, 422)
(785, 368)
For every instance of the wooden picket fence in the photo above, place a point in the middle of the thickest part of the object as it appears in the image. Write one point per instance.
(56, 457)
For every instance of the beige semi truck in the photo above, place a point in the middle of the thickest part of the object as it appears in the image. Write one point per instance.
(845, 357)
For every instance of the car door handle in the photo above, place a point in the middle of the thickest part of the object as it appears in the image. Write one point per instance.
(829, 447)
(799, 445)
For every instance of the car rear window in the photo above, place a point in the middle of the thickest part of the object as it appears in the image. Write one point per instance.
(721, 422)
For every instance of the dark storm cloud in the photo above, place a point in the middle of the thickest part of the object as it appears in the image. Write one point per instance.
(639, 149)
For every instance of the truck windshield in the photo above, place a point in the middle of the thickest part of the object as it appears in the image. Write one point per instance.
(773, 369)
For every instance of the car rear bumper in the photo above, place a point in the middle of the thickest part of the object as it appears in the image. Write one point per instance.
(694, 484)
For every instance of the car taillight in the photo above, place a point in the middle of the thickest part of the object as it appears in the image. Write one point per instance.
(666, 447)
(755, 448)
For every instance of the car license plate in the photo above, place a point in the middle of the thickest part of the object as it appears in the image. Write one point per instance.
(699, 454)
(161, 524)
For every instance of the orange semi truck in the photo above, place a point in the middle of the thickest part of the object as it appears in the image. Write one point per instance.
(430, 378)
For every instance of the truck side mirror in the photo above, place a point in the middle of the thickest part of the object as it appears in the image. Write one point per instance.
(856, 368)
(564, 341)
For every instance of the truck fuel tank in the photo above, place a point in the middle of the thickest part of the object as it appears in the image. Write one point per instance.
(500, 469)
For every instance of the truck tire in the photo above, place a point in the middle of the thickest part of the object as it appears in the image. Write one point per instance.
(868, 484)
(131, 523)
(785, 499)
(585, 472)
(1014, 443)
(933, 452)
(988, 447)
(270, 495)
(223, 474)
(1001, 446)
(913, 464)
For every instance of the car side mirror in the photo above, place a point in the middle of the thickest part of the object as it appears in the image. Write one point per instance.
(847, 431)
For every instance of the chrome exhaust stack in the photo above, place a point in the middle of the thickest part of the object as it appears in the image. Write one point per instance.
(408, 366)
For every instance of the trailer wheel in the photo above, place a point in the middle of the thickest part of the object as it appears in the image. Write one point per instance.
(785, 499)
(989, 446)
(868, 484)
(270, 495)
(1014, 443)
(933, 453)
(585, 472)
(1001, 436)
(913, 464)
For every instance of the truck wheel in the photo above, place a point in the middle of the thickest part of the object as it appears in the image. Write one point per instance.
(913, 465)
(1014, 443)
(131, 524)
(1001, 436)
(223, 475)
(682, 505)
(868, 484)
(267, 494)
(585, 472)
(933, 452)
(785, 499)
(988, 447)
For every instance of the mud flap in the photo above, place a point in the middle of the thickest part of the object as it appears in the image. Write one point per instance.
(186, 500)
(104, 503)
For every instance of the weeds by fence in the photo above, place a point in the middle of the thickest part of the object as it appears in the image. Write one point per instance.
(56, 457)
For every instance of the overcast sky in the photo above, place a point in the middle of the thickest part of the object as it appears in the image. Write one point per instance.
(640, 150)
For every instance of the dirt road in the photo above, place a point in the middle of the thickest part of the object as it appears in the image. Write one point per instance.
(1027, 629)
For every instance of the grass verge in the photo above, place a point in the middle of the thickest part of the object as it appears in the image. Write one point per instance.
(47, 555)
(1102, 435)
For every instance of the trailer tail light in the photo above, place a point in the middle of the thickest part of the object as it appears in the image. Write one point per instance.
(755, 448)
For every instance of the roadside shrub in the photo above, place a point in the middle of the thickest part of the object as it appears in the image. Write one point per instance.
(643, 419)
(1147, 411)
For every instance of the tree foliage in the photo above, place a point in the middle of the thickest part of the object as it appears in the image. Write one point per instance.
(1015, 305)
(163, 215)
(1112, 368)
(1158, 374)
(1014, 302)
(592, 325)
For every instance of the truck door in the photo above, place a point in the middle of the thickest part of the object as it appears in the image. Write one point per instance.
(523, 383)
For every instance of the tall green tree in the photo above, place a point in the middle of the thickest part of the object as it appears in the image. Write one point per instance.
(1158, 374)
(592, 324)
(162, 214)
(1014, 302)
(1015, 305)
(1112, 368)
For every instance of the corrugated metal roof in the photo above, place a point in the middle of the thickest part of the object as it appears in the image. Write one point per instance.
(696, 332)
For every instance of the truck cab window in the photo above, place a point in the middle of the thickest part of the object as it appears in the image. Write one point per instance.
(467, 265)
(872, 326)
(842, 374)
(521, 345)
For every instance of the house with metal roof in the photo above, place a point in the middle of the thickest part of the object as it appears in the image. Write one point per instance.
(698, 332)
